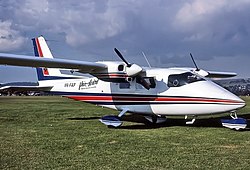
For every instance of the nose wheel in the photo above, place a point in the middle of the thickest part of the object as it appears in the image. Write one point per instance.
(235, 123)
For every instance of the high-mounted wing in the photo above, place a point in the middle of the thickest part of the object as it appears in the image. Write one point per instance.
(210, 74)
(32, 61)
(216, 74)
(106, 71)
(213, 74)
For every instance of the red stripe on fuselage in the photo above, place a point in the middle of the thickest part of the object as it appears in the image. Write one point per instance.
(151, 99)
(111, 75)
(197, 100)
(91, 98)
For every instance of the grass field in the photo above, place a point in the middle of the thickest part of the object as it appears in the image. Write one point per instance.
(58, 133)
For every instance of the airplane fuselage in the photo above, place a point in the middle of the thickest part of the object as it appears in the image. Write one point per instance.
(174, 92)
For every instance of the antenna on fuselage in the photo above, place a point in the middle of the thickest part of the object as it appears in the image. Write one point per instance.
(146, 59)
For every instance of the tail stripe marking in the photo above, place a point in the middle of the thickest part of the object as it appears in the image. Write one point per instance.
(40, 53)
(39, 48)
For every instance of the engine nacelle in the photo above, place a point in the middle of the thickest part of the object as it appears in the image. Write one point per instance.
(117, 72)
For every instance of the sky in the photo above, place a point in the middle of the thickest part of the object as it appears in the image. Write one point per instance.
(217, 33)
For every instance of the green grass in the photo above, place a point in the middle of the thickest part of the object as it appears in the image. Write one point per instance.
(58, 133)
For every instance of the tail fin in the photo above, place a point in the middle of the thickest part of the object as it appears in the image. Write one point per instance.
(41, 49)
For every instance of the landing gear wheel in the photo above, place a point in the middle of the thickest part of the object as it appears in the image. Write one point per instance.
(154, 119)
(236, 123)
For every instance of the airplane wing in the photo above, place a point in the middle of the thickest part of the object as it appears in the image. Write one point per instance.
(32, 61)
(213, 74)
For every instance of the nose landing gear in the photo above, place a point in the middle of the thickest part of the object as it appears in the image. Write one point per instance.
(234, 123)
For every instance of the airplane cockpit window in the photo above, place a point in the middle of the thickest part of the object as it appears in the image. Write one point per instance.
(152, 82)
(177, 80)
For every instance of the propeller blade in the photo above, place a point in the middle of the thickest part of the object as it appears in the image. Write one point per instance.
(121, 57)
(197, 69)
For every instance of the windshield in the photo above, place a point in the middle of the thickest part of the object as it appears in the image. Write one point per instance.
(177, 80)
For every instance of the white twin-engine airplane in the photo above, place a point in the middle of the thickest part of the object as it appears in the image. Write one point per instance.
(130, 88)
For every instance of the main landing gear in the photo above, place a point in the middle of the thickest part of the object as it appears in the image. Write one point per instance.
(113, 121)
(234, 123)
(155, 119)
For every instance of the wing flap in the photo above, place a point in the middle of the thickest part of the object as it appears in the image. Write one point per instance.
(32, 61)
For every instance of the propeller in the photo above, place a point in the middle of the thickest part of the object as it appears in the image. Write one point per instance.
(121, 57)
(197, 69)
(133, 70)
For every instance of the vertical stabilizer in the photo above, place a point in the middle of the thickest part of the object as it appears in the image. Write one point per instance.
(41, 49)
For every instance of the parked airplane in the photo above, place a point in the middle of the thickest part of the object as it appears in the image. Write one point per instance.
(130, 88)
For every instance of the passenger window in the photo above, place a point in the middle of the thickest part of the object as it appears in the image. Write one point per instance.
(125, 85)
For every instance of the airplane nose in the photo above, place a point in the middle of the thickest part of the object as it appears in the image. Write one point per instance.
(241, 103)
(236, 101)
(226, 100)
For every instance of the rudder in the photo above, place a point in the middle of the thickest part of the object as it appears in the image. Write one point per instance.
(41, 49)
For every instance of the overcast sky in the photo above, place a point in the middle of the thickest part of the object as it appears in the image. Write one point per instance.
(217, 33)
